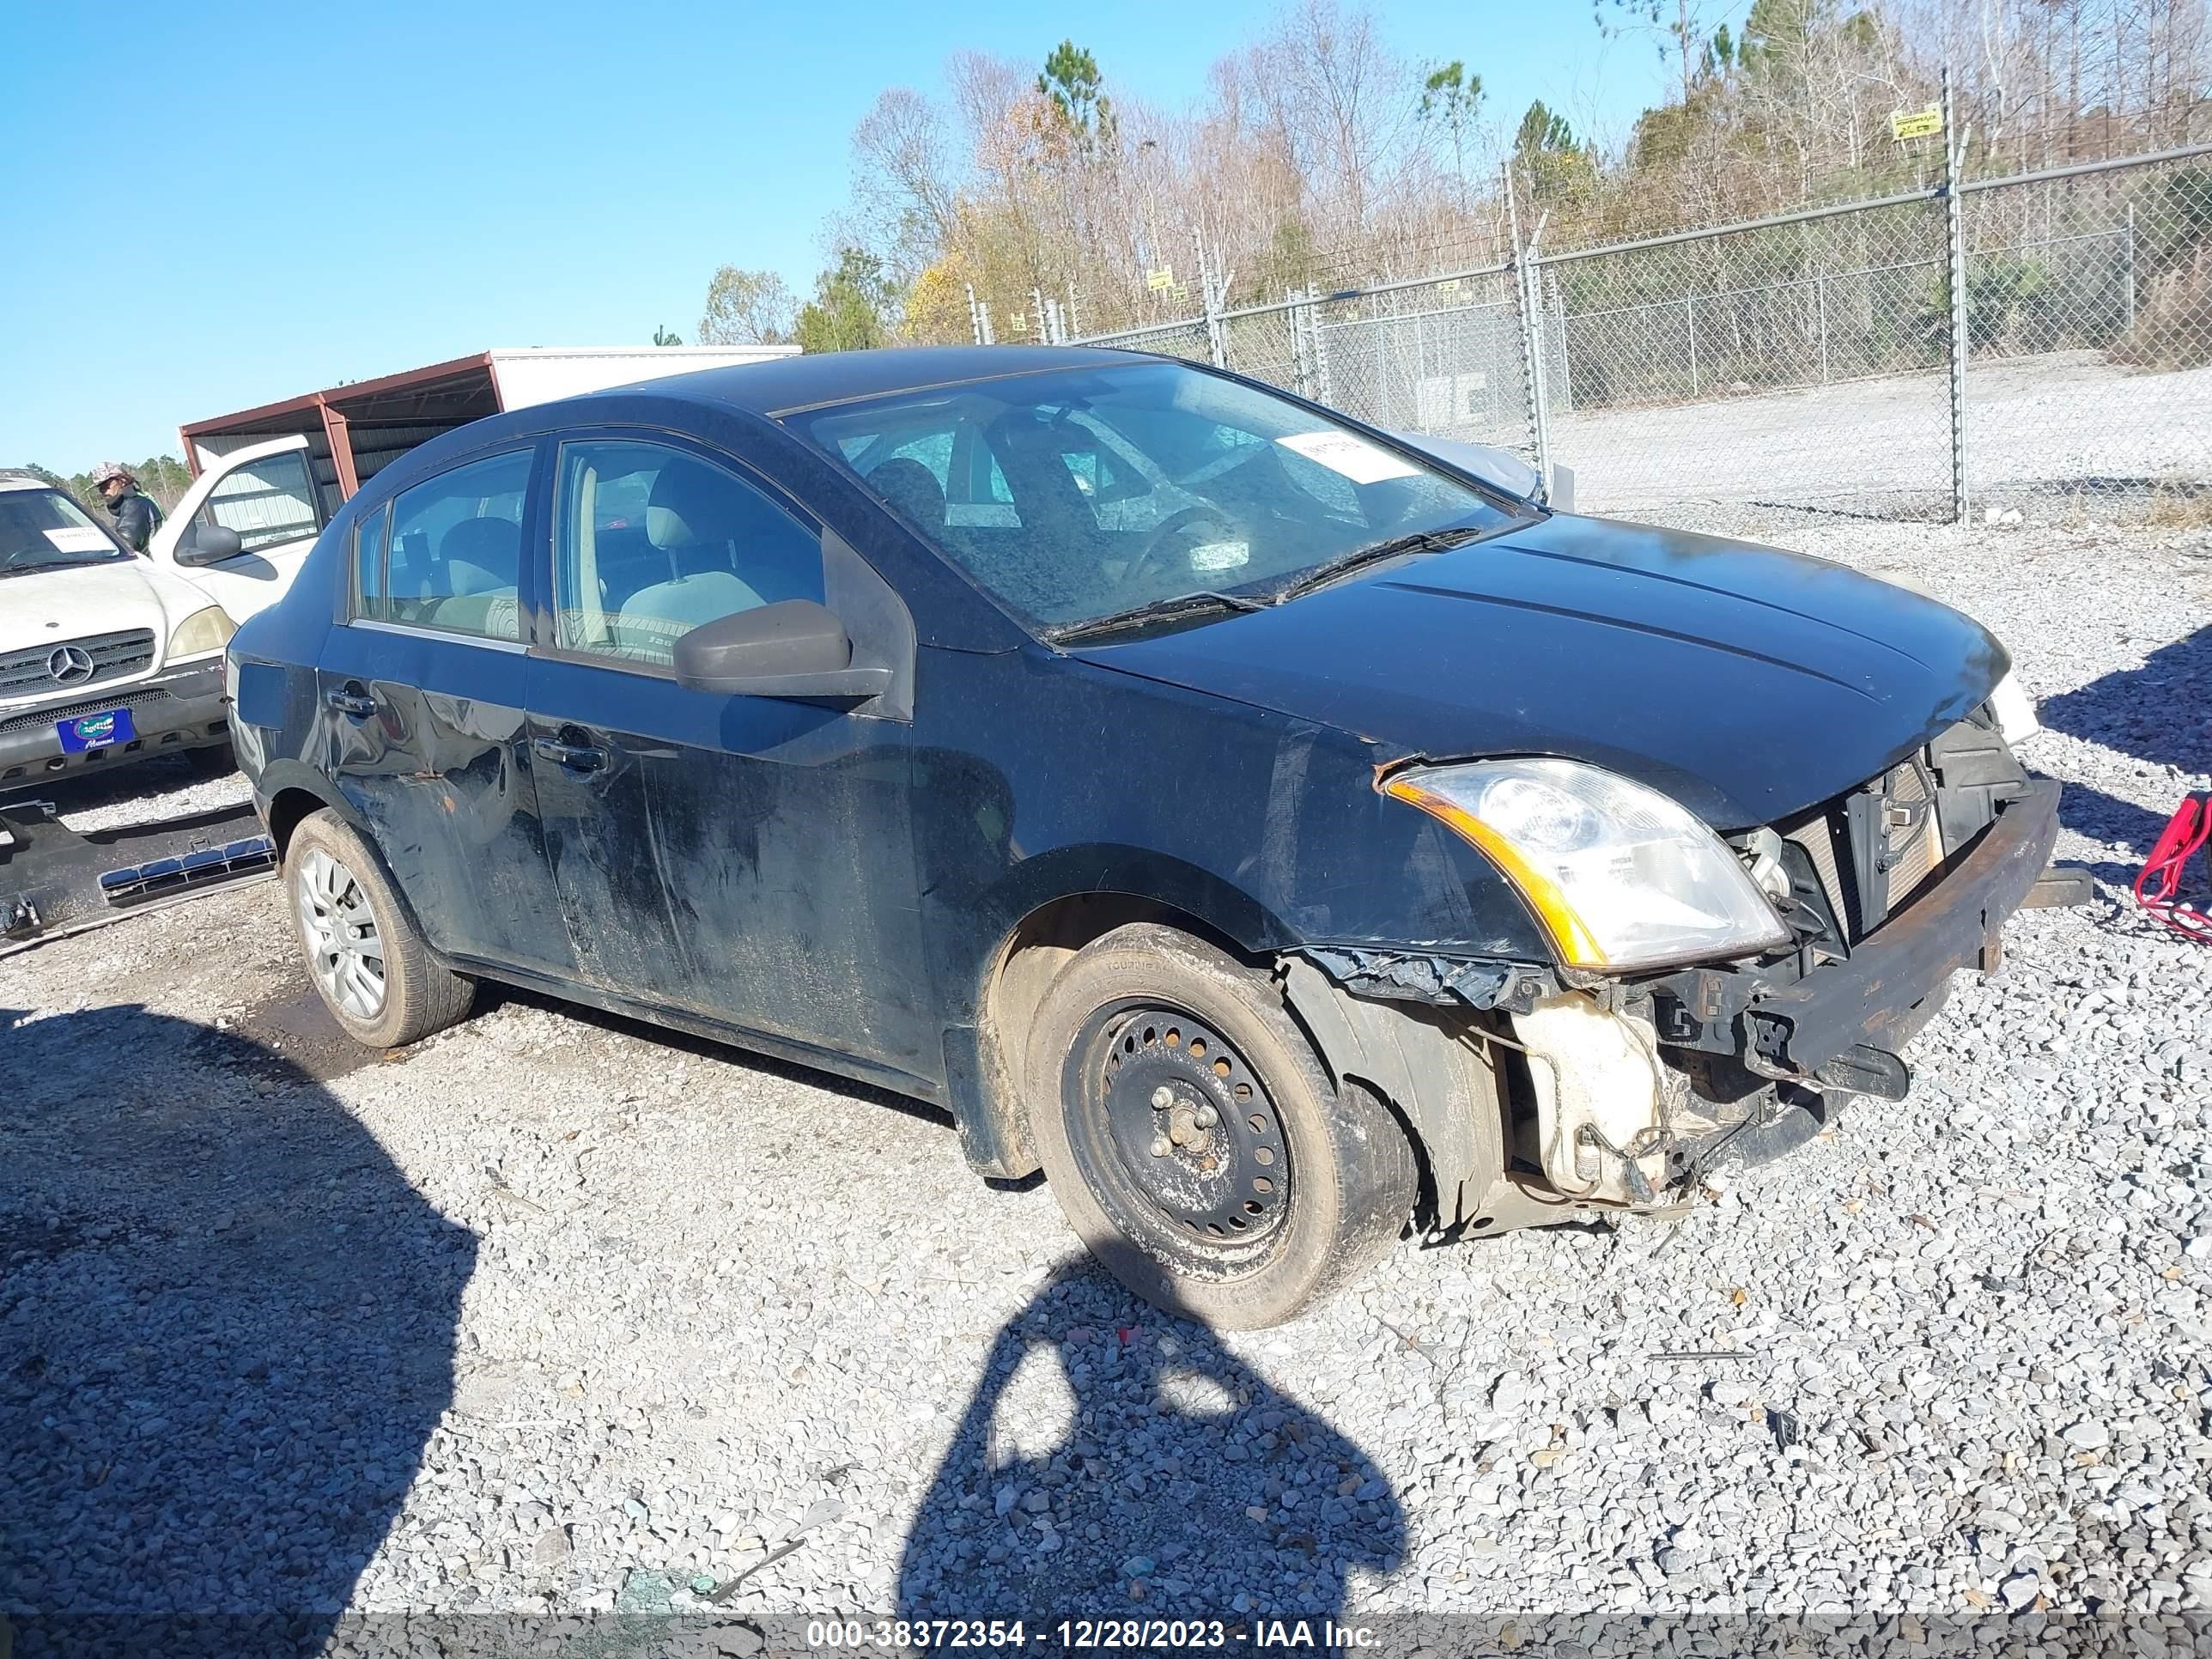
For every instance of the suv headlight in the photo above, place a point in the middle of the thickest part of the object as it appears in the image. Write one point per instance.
(201, 632)
(1620, 875)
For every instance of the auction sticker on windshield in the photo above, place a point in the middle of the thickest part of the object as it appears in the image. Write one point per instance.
(79, 538)
(101, 731)
(1354, 457)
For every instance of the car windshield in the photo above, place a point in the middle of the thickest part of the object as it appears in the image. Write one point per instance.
(1077, 495)
(44, 530)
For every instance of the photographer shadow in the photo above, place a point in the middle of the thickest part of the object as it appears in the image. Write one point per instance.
(1117, 1460)
(227, 1330)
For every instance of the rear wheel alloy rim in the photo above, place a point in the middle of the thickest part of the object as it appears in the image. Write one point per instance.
(1181, 1128)
(345, 950)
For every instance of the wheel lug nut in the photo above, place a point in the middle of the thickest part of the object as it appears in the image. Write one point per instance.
(1163, 1098)
(1161, 1146)
(1206, 1118)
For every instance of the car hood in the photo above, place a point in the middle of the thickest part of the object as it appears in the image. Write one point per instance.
(48, 607)
(1746, 683)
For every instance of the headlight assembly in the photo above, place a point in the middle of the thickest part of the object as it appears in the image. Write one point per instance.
(1620, 875)
(202, 632)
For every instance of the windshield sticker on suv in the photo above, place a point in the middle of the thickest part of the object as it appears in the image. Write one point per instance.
(1353, 457)
(1220, 556)
(79, 538)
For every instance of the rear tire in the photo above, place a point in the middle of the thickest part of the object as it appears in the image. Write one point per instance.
(373, 970)
(1194, 1140)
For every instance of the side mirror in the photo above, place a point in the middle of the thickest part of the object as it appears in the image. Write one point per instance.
(208, 544)
(795, 649)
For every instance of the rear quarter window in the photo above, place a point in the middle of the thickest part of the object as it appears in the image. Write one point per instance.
(368, 583)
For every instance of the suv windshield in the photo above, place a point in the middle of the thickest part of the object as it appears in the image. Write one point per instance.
(44, 530)
(1076, 494)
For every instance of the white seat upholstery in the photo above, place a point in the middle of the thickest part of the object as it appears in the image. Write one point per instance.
(491, 616)
(653, 618)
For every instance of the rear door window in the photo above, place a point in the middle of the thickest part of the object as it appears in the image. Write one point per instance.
(454, 558)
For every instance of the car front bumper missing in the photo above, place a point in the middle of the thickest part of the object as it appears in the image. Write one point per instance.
(1627, 1094)
(1838, 1025)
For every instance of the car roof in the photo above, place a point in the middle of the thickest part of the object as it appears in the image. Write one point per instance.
(13, 478)
(784, 384)
(758, 390)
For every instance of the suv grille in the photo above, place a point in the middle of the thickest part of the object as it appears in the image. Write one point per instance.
(25, 673)
(137, 698)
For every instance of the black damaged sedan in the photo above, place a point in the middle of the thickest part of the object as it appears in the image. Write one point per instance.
(1280, 835)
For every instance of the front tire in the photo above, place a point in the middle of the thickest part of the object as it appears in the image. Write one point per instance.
(1194, 1140)
(374, 972)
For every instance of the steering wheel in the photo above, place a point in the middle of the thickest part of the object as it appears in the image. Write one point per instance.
(1174, 525)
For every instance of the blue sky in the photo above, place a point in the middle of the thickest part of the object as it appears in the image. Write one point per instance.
(223, 204)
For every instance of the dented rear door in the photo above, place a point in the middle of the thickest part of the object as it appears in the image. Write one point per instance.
(420, 695)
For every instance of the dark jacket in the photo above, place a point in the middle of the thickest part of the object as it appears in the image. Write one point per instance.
(136, 519)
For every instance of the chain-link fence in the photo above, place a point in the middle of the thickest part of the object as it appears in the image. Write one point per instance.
(1816, 360)
(2089, 318)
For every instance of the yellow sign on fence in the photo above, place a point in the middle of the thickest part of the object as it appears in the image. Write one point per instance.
(1916, 124)
(1160, 280)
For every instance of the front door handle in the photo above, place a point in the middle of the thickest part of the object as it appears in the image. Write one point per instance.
(351, 700)
(576, 756)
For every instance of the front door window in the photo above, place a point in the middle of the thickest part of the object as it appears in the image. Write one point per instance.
(654, 541)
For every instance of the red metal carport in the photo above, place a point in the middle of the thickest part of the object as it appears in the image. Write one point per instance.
(361, 425)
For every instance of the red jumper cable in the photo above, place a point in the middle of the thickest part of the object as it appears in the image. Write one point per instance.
(2183, 838)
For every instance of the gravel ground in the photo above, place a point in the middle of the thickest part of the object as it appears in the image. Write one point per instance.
(162, 787)
(556, 1313)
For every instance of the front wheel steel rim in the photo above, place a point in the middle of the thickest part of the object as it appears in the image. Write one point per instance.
(1182, 1129)
(345, 947)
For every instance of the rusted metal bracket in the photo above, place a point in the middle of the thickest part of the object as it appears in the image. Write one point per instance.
(2059, 888)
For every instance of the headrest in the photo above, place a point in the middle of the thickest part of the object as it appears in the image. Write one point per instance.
(492, 544)
(692, 505)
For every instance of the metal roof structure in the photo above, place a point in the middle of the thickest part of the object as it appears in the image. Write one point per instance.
(362, 424)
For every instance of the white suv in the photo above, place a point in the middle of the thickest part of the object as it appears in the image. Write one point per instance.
(105, 657)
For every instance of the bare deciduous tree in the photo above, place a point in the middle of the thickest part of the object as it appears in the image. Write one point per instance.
(1321, 153)
(747, 308)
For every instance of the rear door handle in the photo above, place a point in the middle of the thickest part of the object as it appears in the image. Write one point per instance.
(576, 756)
(350, 700)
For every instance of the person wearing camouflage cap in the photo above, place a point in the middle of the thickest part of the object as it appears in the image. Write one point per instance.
(136, 516)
